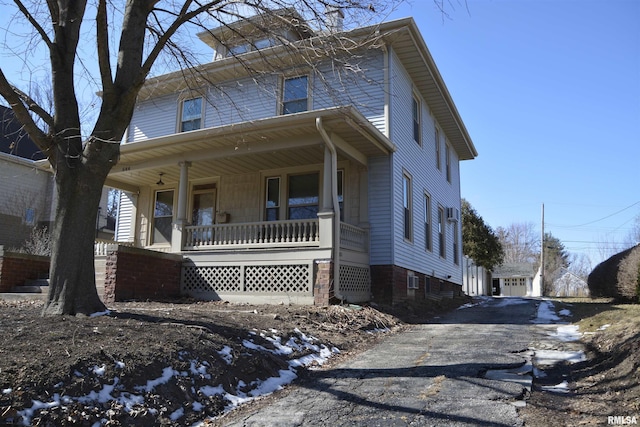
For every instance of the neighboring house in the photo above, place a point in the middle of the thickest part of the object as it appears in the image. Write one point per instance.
(294, 186)
(26, 192)
(568, 284)
(27, 195)
(514, 279)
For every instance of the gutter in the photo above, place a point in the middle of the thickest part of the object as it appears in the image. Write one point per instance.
(335, 251)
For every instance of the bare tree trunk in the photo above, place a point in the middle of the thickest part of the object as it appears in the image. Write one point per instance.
(72, 272)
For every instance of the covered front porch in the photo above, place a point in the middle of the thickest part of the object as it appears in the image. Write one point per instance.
(274, 210)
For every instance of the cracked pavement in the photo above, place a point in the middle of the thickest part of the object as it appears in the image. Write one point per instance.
(432, 374)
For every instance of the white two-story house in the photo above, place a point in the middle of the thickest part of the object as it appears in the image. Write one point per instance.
(284, 179)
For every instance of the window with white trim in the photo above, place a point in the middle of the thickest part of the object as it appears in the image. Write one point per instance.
(447, 156)
(162, 217)
(295, 95)
(272, 202)
(428, 244)
(416, 120)
(406, 206)
(438, 161)
(191, 114)
(456, 244)
(441, 232)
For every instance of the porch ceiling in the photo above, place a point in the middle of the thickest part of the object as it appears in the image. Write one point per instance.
(272, 143)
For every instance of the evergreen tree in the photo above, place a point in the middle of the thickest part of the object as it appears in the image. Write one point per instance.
(479, 242)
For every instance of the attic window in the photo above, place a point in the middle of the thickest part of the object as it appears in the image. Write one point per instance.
(238, 49)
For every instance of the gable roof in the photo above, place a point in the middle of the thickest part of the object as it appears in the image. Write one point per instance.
(402, 35)
(513, 269)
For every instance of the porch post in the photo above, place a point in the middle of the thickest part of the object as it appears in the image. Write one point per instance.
(177, 234)
(326, 214)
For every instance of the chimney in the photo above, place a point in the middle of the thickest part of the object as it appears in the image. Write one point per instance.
(334, 19)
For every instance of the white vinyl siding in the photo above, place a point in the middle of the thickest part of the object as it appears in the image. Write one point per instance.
(126, 217)
(420, 163)
(364, 91)
(381, 211)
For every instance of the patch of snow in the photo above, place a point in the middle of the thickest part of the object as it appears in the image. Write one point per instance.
(167, 374)
(100, 313)
(119, 365)
(564, 312)
(551, 357)
(7, 390)
(226, 355)
(177, 414)
(604, 327)
(567, 333)
(199, 369)
(98, 370)
(546, 313)
(563, 387)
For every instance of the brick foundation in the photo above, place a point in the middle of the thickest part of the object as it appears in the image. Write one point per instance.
(323, 282)
(389, 285)
(17, 268)
(140, 274)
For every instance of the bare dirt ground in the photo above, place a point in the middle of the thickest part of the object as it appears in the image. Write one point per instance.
(607, 383)
(124, 354)
(110, 362)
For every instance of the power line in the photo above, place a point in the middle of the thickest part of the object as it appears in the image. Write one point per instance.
(604, 217)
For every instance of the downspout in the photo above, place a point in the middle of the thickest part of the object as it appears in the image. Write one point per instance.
(335, 250)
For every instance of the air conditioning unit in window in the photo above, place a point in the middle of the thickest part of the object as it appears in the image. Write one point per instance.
(453, 214)
(413, 282)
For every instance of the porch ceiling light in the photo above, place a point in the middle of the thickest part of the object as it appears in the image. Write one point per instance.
(160, 180)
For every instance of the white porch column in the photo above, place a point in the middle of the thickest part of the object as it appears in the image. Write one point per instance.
(326, 214)
(177, 233)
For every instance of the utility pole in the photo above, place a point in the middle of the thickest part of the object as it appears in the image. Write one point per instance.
(542, 254)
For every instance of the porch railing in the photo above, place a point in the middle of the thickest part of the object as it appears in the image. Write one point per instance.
(103, 247)
(352, 237)
(303, 232)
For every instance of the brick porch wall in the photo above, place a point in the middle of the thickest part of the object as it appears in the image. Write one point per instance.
(134, 273)
(17, 268)
(389, 285)
(323, 282)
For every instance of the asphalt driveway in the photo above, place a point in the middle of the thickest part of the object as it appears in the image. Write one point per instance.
(433, 374)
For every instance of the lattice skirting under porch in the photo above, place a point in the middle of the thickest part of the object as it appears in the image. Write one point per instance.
(258, 279)
(216, 281)
(355, 282)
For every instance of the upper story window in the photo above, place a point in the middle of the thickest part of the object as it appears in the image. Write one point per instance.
(191, 114)
(416, 120)
(295, 95)
(438, 161)
(447, 156)
(406, 205)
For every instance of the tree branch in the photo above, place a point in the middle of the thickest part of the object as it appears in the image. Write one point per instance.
(32, 105)
(34, 23)
(102, 38)
(21, 112)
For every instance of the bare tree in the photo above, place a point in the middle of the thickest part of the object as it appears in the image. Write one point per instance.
(127, 42)
(520, 241)
(633, 236)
